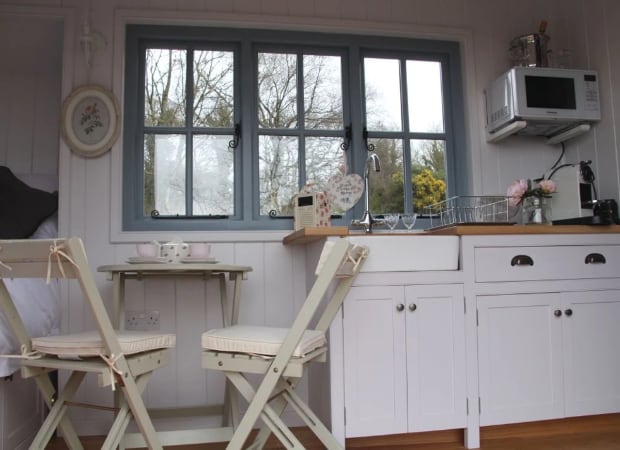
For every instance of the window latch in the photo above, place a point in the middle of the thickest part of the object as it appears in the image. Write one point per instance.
(234, 142)
(369, 147)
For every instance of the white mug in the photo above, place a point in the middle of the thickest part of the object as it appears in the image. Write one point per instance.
(149, 249)
(199, 250)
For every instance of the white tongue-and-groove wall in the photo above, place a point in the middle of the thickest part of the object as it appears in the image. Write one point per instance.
(43, 65)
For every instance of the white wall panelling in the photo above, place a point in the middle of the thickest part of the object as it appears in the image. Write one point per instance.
(90, 198)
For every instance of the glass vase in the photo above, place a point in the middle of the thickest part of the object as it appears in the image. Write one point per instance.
(536, 210)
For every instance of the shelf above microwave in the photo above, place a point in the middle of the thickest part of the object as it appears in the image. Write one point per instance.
(519, 125)
(508, 130)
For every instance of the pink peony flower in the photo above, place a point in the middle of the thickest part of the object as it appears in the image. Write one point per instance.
(516, 191)
(547, 186)
(521, 189)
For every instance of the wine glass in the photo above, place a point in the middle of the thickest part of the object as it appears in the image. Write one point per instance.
(391, 220)
(409, 220)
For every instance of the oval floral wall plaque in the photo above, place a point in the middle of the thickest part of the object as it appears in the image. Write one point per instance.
(90, 120)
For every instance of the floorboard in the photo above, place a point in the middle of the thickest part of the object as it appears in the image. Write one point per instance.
(582, 433)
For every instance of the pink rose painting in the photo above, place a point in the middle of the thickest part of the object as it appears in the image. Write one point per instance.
(91, 118)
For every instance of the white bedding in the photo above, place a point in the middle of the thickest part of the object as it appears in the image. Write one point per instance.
(37, 302)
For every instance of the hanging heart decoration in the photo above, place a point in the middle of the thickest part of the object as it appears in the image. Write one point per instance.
(345, 191)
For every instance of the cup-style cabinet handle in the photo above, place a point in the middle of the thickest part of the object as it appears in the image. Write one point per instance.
(400, 307)
(595, 258)
(521, 260)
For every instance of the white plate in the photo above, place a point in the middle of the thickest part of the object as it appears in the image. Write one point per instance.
(199, 259)
(146, 259)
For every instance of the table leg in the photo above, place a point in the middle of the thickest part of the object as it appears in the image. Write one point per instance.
(118, 301)
(224, 300)
(237, 277)
(231, 410)
(118, 322)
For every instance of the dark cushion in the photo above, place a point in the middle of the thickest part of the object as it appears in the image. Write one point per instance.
(22, 208)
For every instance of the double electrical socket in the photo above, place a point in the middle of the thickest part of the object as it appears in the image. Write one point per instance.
(142, 320)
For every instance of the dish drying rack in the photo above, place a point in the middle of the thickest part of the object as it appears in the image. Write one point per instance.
(465, 210)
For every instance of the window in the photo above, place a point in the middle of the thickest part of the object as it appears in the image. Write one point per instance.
(224, 126)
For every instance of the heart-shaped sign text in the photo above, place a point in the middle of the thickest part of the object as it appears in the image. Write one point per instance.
(345, 191)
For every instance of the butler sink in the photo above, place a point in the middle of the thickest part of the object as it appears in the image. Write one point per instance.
(409, 253)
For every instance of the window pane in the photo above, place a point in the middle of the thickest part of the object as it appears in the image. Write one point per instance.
(213, 89)
(386, 186)
(324, 159)
(164, 88)
(425, 97)
(278, 173)
(277, 90)
(214, 176)
(428, 172)
(323, 92)
(382, 90)
(164, 174)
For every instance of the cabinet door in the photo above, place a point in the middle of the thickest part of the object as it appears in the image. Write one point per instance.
(520, 362)
(592, 351)
(435, 357)
(374, 361)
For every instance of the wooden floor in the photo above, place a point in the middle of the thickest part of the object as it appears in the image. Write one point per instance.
(589, 433)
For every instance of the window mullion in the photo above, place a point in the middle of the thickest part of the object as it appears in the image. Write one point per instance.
(249, 190)
(189, 153)
(301, 121)
(404, 102)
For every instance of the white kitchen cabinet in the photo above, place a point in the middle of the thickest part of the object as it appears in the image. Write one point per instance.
(547, 335)
(375, 378)
(519, 358)
(404, 359)
(591, 340)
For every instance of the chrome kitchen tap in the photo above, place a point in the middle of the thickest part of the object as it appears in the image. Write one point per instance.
(367, 221)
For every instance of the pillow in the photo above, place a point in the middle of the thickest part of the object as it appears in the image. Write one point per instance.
(22, 208)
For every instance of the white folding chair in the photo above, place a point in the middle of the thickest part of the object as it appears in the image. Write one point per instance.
(282, 354)
(120, 359)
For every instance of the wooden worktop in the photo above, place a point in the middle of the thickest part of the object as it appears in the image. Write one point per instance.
(311, 234)
(481, 229)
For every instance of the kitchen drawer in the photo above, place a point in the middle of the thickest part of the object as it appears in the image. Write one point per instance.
(546, 262)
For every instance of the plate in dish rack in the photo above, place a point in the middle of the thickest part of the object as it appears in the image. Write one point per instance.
(199, 259)
(146, 259)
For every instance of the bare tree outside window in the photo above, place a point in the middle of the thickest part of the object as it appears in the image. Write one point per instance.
(279, 110)
(165, 151)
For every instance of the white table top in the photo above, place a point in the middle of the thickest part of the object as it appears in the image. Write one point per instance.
(162, 268)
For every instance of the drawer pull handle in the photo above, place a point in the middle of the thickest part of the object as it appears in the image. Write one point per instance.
(557, 313)
(522, 260)
(595, 258)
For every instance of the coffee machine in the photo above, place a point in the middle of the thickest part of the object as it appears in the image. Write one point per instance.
(574, 200)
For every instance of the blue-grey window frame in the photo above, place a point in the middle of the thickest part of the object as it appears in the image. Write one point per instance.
(246, 42)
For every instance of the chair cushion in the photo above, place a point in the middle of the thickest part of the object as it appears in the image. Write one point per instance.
(90, 344)
(258, 340)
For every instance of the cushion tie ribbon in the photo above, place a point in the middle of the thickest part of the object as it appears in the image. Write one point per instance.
(33, 354)
(57, 250)
(111, 362)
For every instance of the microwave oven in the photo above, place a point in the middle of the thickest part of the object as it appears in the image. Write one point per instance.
(544, 101)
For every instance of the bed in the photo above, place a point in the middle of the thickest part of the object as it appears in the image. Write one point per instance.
(28, 207)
